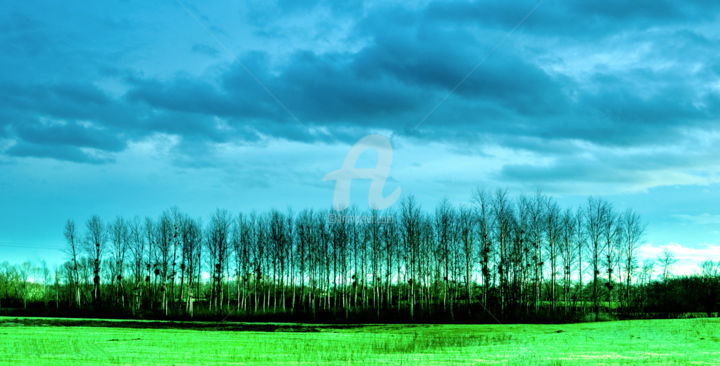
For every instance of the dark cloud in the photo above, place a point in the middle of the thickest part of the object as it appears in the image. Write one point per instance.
(68, 153)
(63, 100)
(183, 94)
(69, 134)
(575, 19)
(443, 60)
(408, 66)
(325, 91)
(647, 67)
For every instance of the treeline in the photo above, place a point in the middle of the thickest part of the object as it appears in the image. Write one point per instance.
(498, 259)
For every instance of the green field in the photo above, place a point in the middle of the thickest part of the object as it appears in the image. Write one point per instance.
(37, 341)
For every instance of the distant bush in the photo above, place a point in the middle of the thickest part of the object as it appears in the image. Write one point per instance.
(602, 316)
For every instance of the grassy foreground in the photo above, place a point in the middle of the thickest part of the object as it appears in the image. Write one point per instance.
(53, 342)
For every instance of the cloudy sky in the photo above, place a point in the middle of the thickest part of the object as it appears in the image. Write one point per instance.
(130, 107)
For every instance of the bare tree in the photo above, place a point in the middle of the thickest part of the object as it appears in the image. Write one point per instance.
(567, 252)
(164, 250)
(192, 247)
(632, 231)
(467, 237)
(260, 263)
(645, 277)
(483, 209)
(136, 247)
(291, 252)
(95, 243)
(667, 260)
(306, 241)
(410, 217)
(373, 235)
(536, 227)
(24, 272)
(553, 230)
(153, 264)
(239, 232)
(611, 247)
(391, 237)
(44, 273)
(218, 246)
(178, 221)
(502, 212)
(580, 247)
(596, 214)
(280, 244)
(444, 219)
(521, 253)
(73, 250)
(710, 269)
(119, 239)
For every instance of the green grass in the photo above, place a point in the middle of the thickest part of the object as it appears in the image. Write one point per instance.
(37, 341)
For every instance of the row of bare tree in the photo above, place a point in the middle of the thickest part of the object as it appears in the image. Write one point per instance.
(500, 255)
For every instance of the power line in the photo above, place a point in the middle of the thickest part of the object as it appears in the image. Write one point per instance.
(26, 246)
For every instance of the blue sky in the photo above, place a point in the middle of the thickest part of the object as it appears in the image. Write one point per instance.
(128, 108)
